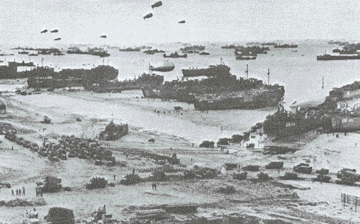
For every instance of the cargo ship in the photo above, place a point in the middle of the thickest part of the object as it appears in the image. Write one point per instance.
(154, 51)
(220, 90)
(130, 49)
(46, 77)
(192, 49)
(328, 57)
(285, 46)
(23, 63)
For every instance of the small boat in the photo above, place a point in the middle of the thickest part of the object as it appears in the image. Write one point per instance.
(243, 57)
(204, 53)
(23, 52)
(33, 54)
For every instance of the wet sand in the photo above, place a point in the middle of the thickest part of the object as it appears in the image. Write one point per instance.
(173, 133)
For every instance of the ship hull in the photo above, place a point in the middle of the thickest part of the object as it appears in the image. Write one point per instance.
(205, 71)
(337, 57)
(287, 46)
(267, 99)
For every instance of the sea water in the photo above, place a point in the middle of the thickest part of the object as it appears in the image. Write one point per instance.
(299, 72)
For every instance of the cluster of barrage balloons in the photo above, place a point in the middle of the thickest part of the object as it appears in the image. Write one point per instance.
(149, 15)
(157, 4)
(52, 31)
(59, 38)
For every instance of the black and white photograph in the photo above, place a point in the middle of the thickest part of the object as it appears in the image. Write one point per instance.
(171, 112)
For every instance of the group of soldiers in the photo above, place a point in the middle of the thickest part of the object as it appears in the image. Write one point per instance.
(18, 191)
(39, 192)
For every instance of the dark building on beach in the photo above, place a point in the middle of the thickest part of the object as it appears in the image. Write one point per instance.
(2, 108)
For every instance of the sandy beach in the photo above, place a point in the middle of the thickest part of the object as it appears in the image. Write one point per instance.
(173, 133)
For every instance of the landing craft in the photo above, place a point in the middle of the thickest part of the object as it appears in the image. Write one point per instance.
(103, 36)
(54, 31)
(44, 31)
(182, 21)
(156, 4)
(57, 38)
(165, 66)
(149, 15)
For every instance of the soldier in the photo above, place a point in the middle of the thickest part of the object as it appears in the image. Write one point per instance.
(23, 190)
(12, 191)
(37, 191)
(114, 176)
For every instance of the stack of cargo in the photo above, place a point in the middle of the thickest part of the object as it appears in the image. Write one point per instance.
(51, 184)
(347, 176)
(69, 147)
(275, 165)
(114, 132)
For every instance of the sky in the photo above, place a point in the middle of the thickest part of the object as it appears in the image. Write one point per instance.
(84, 21)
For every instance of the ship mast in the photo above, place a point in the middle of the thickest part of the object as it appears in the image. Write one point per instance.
(247, 71)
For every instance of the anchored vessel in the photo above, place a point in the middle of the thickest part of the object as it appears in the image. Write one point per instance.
(46, 77)
(220, 90)
(285, 46)
(328, 57)
(130, 49)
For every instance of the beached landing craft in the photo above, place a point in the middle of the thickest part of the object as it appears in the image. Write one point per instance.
(220, 91)
(182, 21)
(54, 31)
